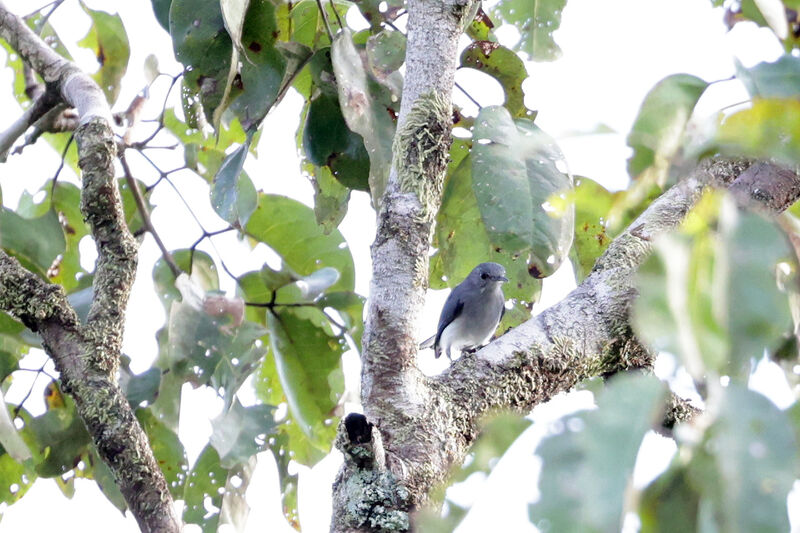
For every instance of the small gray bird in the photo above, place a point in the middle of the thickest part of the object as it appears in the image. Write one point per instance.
(472, 311)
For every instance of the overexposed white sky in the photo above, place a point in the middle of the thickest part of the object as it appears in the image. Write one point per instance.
(613, 53)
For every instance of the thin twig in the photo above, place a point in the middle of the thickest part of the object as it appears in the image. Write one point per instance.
(325, 19)
(18, 408)
(145, 214)
(336, 13)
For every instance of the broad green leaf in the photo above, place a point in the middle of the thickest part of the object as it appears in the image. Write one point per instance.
(503, 65)
(592, 205)
(768, 129)
(587, 467)
(657, 134)
(746, 463)
(197, 264)
(60, 439)
(241, 432)
(327, 141)
(204, 484)
(151, 70)
(363, 110)
(141, 388)
(670, 503)
(289, 228)
(35, 242)
(480, 29)
(104, 478)
(779, 79)
(536, 20)
(66, 202)
(168, 450)
(350, 307)
(211, 350)
(712, 298)
(202, 45)
(108, 40)
(386, 52)
(204, 154)
(463, 242)
(330, 199)
(308, 28)
(307, 360)
(161, 11)
(518, 185)
(15, 479)
(266, 69)
(233, 195)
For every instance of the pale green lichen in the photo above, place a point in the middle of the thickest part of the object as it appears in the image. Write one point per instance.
(421, 150)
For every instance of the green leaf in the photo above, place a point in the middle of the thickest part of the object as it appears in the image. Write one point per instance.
(307, 26)
(14, 476)
(161, 11)
(713, 298)
(307, 360)
(210, 350)
(104, 478)
(363, 110)
(205, 482)
(768, 129)
(503, 65)
(233, 195)
(657, 134)
(289, 228)
(536, 21)
(386, 52)
(463, 241)
(327, 141)
(266, 69)
(202, 45)
(60, 439)
(108, 40)
(746, 463)
(141, 388)
(520, 191)
(330, 199)
(587, 467)
(592, 205)
(779, 79)
(198, 264)
(168, 451)
(670, 503)
(35, 242)
(239, 433)
(66, 202)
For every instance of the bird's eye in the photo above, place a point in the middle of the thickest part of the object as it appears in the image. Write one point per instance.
(484, 275)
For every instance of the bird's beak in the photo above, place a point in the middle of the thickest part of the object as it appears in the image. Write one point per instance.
(501, 278)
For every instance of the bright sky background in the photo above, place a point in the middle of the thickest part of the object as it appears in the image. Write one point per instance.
(613, 53)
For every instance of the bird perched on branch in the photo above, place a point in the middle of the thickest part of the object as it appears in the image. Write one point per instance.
(472, 311)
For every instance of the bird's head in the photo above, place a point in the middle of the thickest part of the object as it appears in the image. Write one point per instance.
(488, 274)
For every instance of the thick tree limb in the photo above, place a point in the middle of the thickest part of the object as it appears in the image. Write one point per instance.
(428, 424)
(87, 355)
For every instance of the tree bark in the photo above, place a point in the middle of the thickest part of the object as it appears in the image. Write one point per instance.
(87, 355)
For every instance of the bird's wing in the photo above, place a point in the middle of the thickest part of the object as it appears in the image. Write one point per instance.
(451, 310)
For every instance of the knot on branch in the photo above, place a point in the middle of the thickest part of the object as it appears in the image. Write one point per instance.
(371, 496)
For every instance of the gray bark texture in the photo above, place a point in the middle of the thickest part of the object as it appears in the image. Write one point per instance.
(87, 354)
(416, 428)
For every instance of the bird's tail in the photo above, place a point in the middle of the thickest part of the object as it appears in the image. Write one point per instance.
(427, 343)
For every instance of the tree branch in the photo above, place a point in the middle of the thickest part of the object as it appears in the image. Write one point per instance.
(87, 355)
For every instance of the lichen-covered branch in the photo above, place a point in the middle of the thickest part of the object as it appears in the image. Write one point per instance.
(87, 355)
